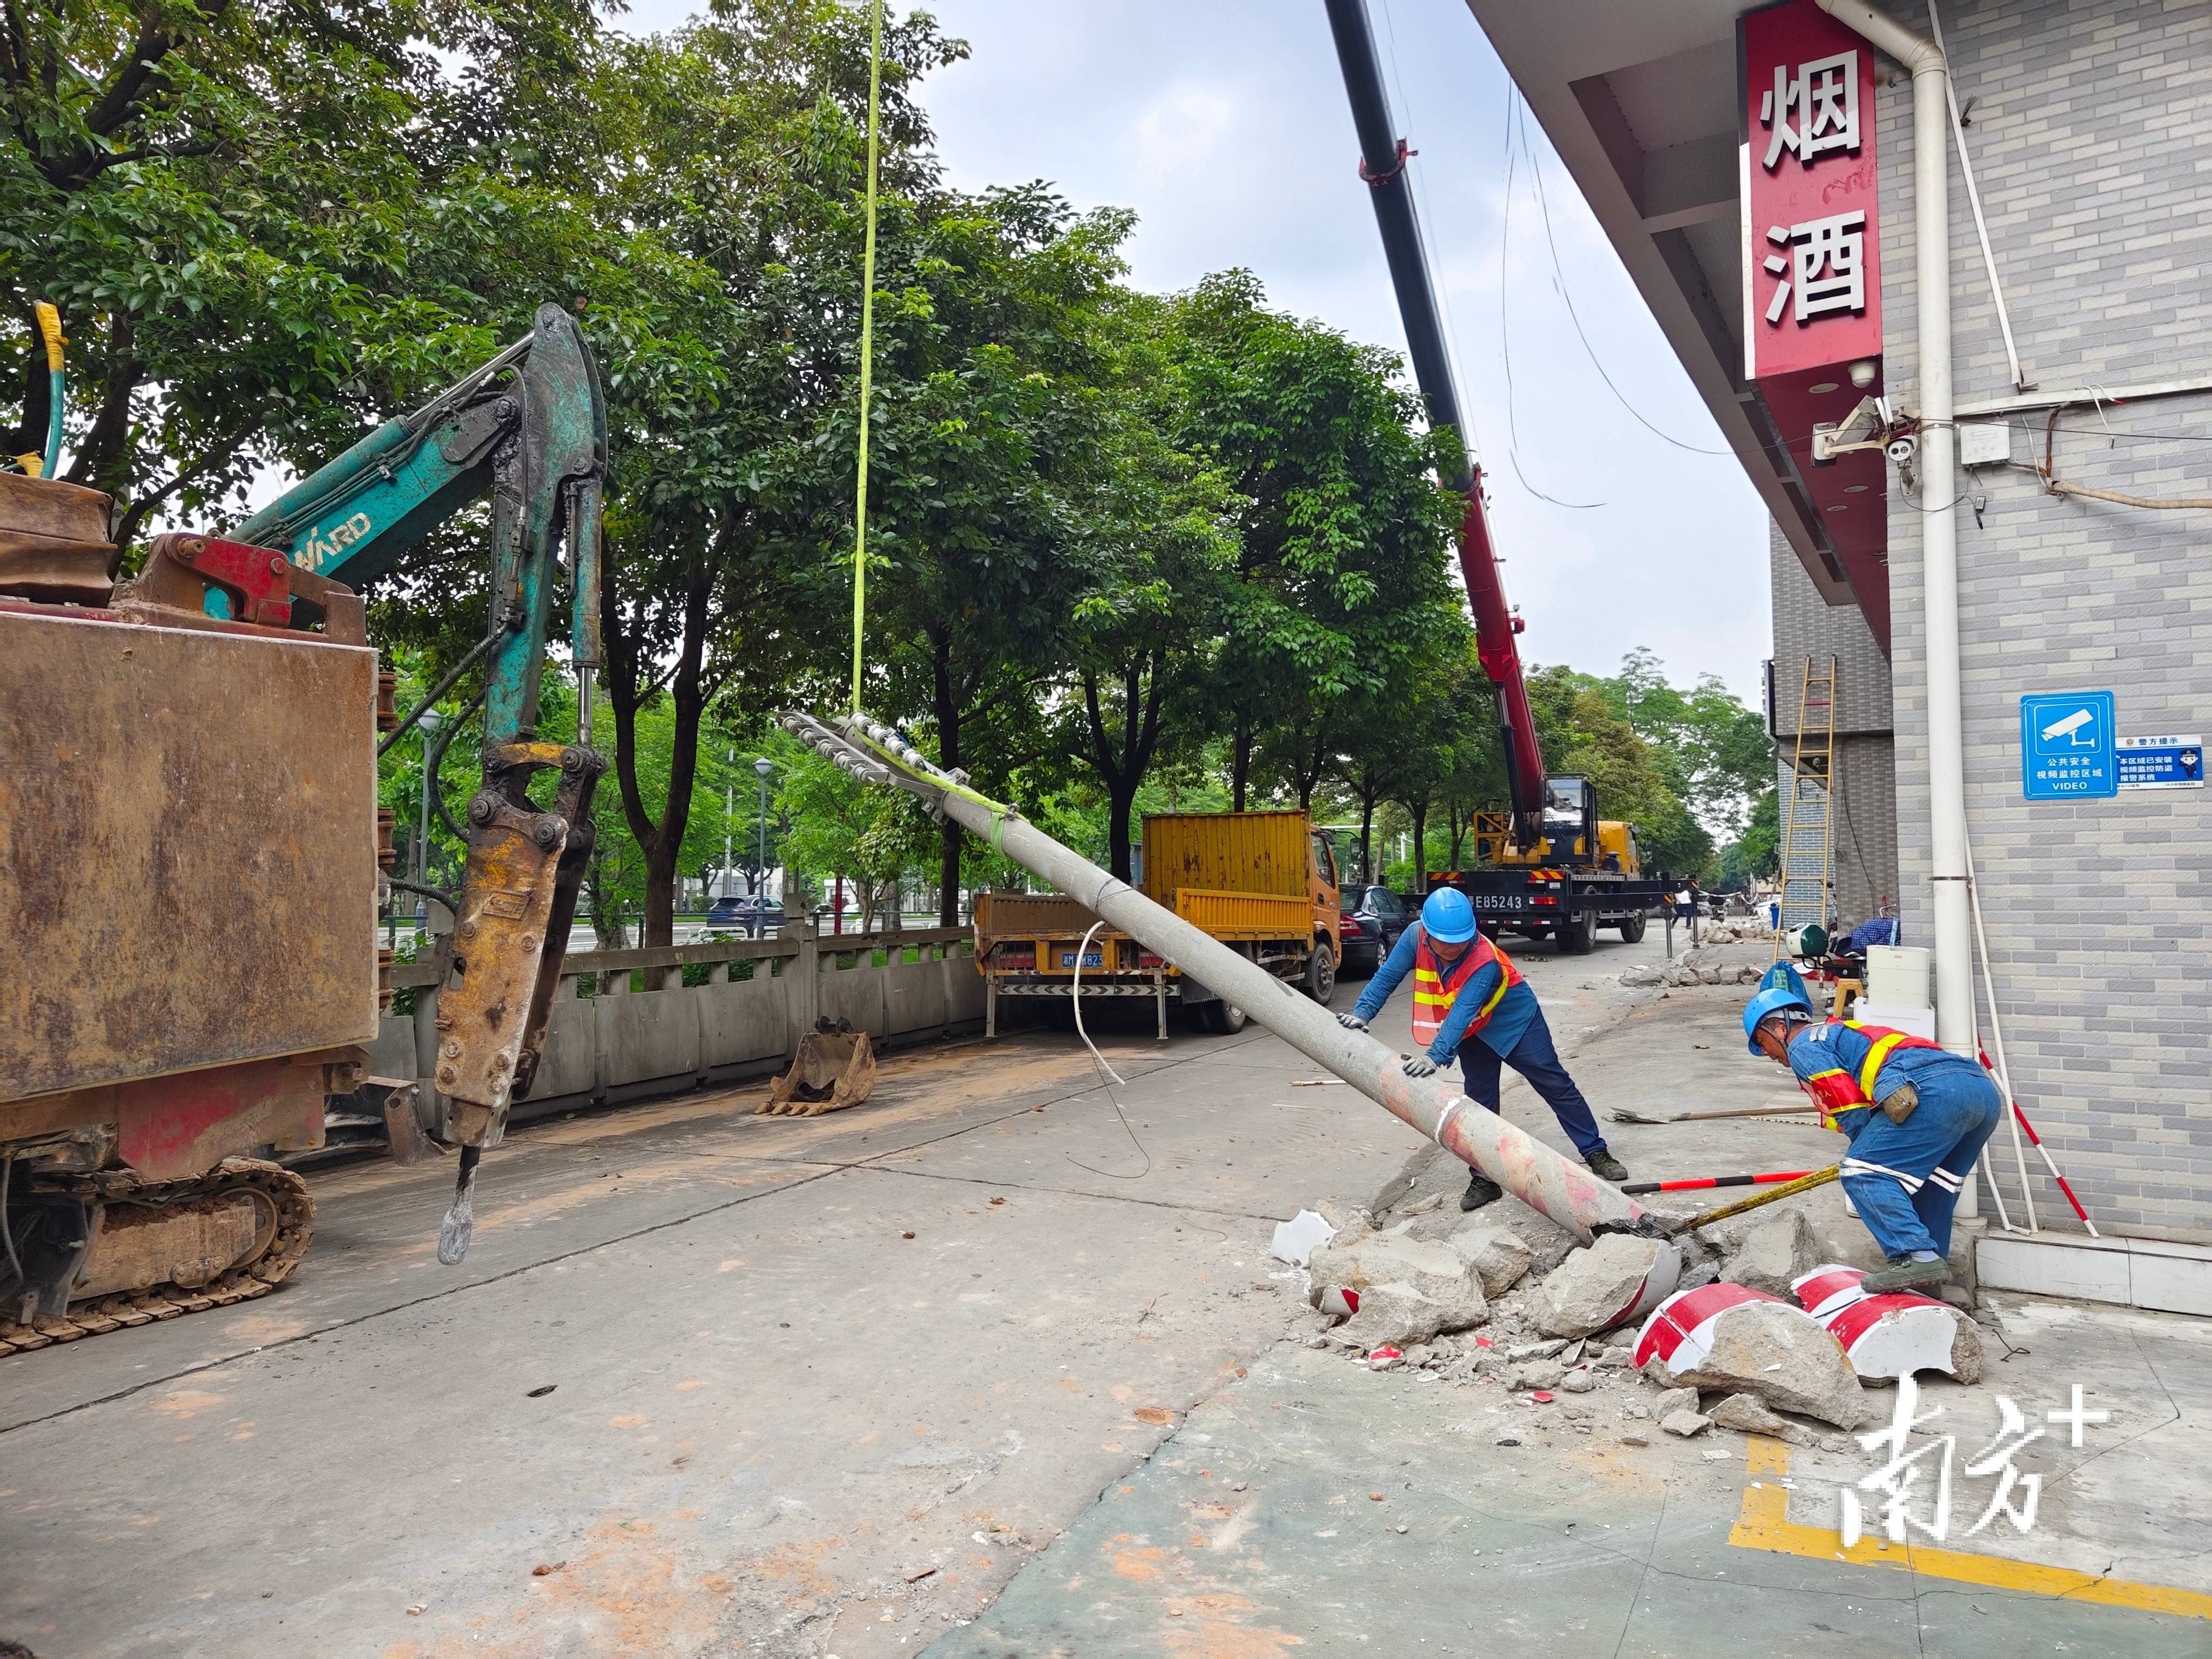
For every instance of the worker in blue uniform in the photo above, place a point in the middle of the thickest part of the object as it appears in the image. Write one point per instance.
(1917, 1116)
(1471, 1004)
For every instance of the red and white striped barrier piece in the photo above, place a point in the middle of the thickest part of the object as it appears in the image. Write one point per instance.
(1339, 1300)
(1680, 1332)
(1883, 1336)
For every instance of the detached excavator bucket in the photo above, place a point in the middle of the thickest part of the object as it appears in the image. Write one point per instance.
(835, 1067)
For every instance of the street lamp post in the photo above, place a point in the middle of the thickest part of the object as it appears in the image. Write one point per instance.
(729, 810)
(763, 766)
(430, 722)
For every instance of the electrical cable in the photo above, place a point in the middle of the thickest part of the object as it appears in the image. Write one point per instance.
(1075, 1002)
(1559, 278)
(1504, 344)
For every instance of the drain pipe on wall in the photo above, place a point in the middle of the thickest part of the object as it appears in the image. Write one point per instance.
(1938, 485)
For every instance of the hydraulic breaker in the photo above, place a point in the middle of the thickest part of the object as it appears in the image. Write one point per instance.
(1523, 1165)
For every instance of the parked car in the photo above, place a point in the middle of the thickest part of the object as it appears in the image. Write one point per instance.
(746, 912)
(1373, 919)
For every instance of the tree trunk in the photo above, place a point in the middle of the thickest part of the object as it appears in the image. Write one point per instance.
(1367, 834)
(1457, 823)
(1418, 811)
(1240, 767)
(1121, 760)
(660, 838)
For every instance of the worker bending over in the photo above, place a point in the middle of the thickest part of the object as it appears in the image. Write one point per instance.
(1465, 987)
(1917, 1116)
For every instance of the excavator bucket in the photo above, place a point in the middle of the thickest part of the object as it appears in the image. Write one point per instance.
(835, 1067)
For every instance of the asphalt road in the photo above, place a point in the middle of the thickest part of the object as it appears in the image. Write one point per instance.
(816, 1386)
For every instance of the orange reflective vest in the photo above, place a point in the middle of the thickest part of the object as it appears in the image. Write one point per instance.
(1433, 996)
(1837, 1089)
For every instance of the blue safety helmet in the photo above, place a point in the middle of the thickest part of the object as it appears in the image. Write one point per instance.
(1447, 917)
(1772, 1000)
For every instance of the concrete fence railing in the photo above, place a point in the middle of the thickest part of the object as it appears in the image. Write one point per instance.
(624, 1025)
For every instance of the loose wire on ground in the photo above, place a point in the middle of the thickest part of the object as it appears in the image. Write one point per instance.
(1075, 1001)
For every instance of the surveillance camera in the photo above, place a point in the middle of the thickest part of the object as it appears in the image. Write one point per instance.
(1901, 450)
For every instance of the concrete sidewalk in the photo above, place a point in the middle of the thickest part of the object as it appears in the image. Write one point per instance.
(1317, 1506)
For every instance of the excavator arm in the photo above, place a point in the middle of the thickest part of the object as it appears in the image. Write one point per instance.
(529, 429)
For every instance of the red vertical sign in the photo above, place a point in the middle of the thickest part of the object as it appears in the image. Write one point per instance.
(1812, 244)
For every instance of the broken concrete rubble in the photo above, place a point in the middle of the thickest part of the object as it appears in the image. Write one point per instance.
(1498, 1255)
(1536, 1374)
(1748, 1414)
(1684, 1424)
(1595, 1289)
(1729, 1336)
(1397, 1289)
(1671, 1400)
(1775, 1253)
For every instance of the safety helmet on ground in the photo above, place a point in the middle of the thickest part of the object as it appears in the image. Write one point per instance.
(1773, 1001)
(1447, 917)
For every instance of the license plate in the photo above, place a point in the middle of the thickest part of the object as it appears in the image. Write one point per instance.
(1499, 901)
(1090, 959)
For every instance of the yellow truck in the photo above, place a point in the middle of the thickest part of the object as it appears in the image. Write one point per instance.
(1263, 883)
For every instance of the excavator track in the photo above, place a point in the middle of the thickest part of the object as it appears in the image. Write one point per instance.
(292, 1225)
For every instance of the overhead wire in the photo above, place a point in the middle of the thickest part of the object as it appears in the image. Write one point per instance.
(1504, 332)
(1559, 280)
(867, 346)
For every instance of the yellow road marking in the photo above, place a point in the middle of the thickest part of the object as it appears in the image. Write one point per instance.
(1764, 1523)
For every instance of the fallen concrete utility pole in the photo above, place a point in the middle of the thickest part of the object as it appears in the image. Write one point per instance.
(1523, 1165)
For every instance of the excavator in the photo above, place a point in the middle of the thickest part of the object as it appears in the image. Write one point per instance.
(193, 858)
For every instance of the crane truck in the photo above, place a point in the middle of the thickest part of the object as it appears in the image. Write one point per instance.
(1548, 866)
(192, 852)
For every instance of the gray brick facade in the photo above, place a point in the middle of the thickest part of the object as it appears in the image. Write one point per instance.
(2092, 125)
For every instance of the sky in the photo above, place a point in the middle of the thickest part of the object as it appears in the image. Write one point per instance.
(1223, 124)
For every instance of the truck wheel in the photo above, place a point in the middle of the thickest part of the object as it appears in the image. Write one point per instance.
(1224, 1018)
(1577, 937)
(1321, 972)
(1632, 927)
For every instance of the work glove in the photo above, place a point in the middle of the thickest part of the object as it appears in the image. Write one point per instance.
(1899, 1103)
(1351, 1022)
(1419, 1066)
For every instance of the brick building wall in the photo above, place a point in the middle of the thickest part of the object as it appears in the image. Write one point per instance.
(2091, 122)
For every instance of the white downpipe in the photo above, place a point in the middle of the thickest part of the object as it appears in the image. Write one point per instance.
(1939, 488)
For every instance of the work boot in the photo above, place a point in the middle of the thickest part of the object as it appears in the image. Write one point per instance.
(1906, 1275)
(1606, 1166)
(1481, 1190)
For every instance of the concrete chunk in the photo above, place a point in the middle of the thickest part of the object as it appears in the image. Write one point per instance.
(1775, 1253)
(1748, 1414)
(1407, 1289)
(1592, 1290)
(1779, 1354)
(1500, 1254)
(1684, 1424)
(1675, 1400)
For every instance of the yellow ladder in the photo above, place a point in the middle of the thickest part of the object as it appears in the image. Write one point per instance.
(1807, 829)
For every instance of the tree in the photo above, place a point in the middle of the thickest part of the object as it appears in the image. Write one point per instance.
(737, 143)
(1342, 527)
(1582, 731)
(265, 224)
(1713, 752)
(990, 354)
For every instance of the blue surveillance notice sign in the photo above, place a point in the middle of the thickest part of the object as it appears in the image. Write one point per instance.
(2068, 746)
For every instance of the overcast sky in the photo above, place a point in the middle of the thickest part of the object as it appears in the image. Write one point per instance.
(1223, 124)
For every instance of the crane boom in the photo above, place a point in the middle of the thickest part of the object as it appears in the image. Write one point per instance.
(1382, 164)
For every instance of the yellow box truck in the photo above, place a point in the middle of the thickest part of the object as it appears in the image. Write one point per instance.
(1263, 883)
